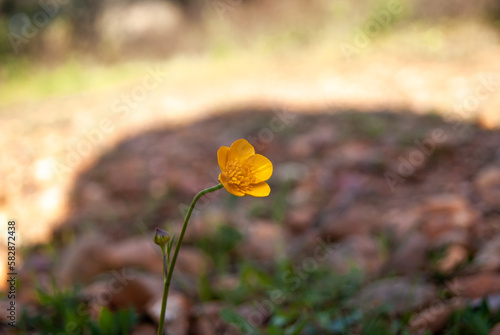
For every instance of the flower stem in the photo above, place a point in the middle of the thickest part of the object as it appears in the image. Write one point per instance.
(176, 252)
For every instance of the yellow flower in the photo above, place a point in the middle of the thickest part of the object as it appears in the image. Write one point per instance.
(244, 172)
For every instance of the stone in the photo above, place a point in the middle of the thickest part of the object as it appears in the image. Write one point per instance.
(140, 252)
(485, 229)
(400, 295)
(356, 252)
(410, 256)
(207, 320)
(492, 300)
(435, 317)
(303, 145)
(84, 259)
(355, 154)
(176, 314)
(227, 282)
(264, 240)
(495, 330)
(452, 236)
(445, 212)
(204, 326)
(357, 220)
(203, 223)
(302, 218)
(192, 261)
(93, 194)
(255, 313)
(487, 183)
(400, 222)
(456, 254)
(127, 177)
(123, 290)
(145, 329)
(477, 285)
(140, 24)
(487, 258)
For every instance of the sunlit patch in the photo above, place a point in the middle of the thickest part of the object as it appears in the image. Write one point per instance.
(3, 272)
(43, 170)
(50, 200)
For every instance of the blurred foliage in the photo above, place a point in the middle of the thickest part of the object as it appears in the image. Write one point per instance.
(283, 299)
(290, 301)
(307, 303)
(64, 310)
(220, 245)
(298, 302)
(21, 79)
(474, 320)
(75, 59)
(269, 25)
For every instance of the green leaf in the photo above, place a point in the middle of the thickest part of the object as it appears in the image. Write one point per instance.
(234, 318)
(275, 330)
(297, 327)
(127, 319)
(106, 322)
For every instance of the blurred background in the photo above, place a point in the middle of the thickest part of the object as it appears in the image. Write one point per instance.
(112, 112)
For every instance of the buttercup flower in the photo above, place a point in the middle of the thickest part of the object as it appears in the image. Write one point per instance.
(243, 171)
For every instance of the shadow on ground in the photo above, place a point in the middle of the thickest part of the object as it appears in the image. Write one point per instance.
(410, 201)
(326, 161)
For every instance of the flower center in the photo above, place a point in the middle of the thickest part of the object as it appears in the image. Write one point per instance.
(240, 175)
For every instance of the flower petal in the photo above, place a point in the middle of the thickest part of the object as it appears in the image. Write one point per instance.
(222, 158)
(230, 188)
(240, 150)
(260, 190)
(262, 168)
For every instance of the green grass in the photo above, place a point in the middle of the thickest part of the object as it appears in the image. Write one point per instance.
(295, 301)
(315, 304)
(65, 310)
(473, 320)
(25, 80)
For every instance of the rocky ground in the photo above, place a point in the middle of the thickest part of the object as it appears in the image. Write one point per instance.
(403, 207)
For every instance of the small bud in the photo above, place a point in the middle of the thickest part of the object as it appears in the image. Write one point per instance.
(161, 237)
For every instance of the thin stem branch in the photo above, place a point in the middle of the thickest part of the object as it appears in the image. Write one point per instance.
(165, 266)
(176, 252)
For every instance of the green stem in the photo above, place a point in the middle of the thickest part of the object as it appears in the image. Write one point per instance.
(165, 293)
(165, 266)
(176, 252)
